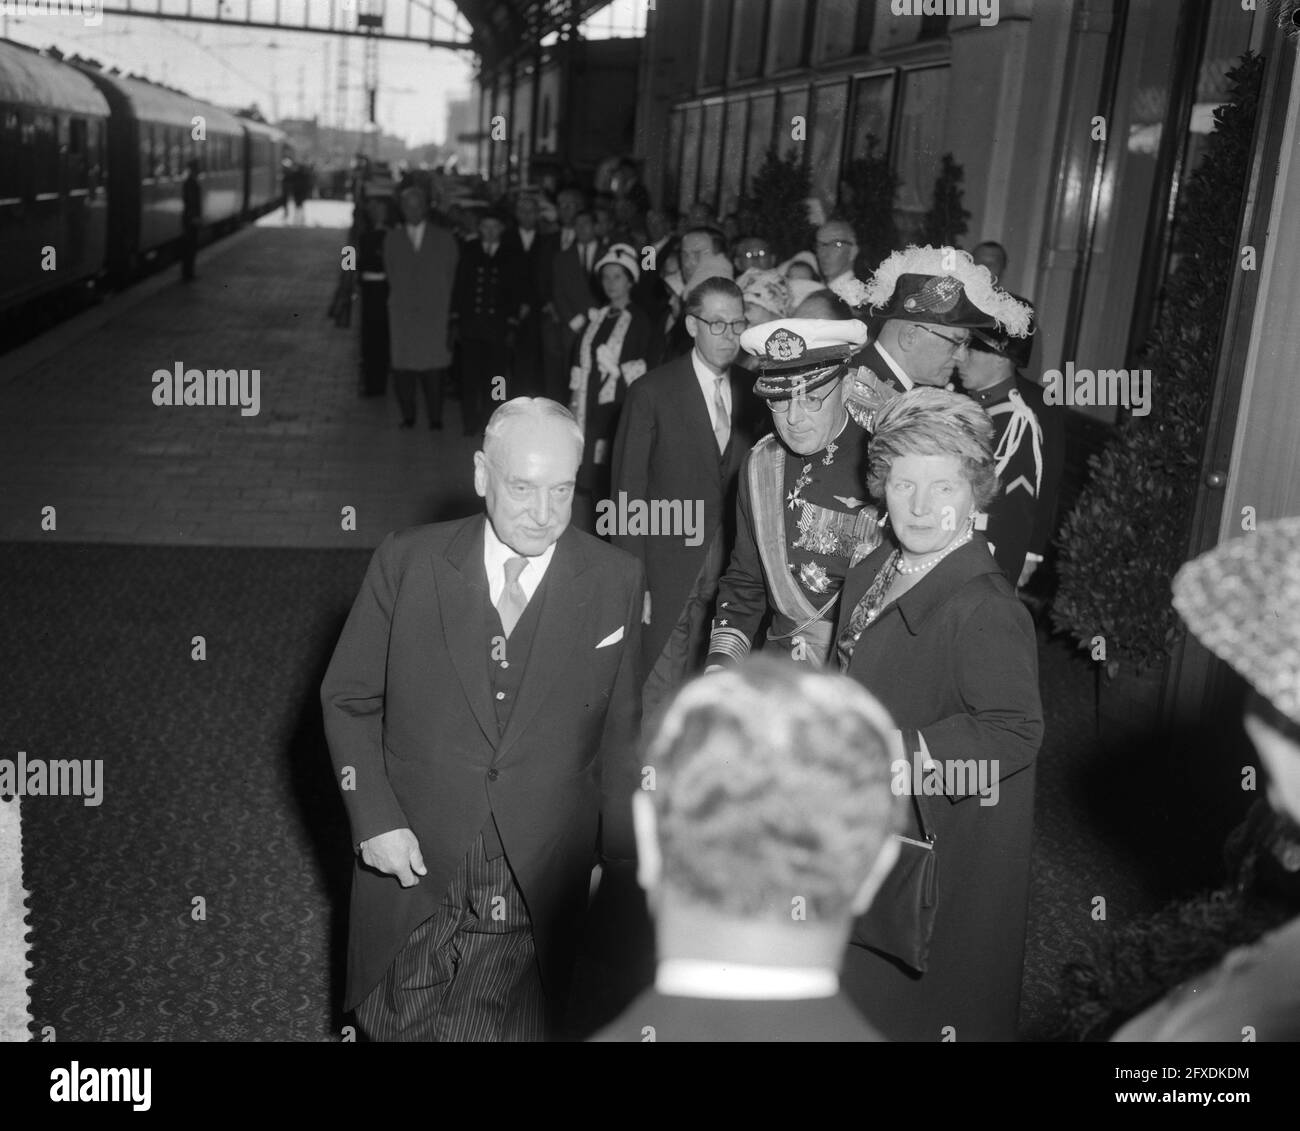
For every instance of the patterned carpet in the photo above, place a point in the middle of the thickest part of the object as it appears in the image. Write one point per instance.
(217, 786)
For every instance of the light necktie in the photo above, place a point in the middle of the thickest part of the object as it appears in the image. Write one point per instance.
(513, 600)
(722, 421)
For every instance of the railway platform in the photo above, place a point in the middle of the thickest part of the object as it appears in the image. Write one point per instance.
(80, 430)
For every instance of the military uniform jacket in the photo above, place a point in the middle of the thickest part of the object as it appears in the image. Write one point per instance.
(801, 522)
(490, 289)
(1020, 517)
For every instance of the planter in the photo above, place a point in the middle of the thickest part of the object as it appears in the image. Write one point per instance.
(1128, 708)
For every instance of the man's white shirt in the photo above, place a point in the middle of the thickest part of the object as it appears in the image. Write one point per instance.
(682, 977)
(416, 232)
(708, 382)
(495, 555)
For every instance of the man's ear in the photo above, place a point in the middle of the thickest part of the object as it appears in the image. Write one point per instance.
(480, 475)
(692, 325)
(649, 864)
(879, 871)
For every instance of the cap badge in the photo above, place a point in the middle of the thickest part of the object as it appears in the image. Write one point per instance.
(784, 345)
(939, 295)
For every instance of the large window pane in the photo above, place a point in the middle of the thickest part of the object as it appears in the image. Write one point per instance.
(835, 33)
(785, 41)
(746, 39)
(673, 160)
(762, 114)
(733, 154)
(693, 120)
(920, 145)
(873, 102)
(710, 152)
(713, 44)
(792, 105)
(826, 136)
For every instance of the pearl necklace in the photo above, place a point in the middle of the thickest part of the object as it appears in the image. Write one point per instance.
(908, 570)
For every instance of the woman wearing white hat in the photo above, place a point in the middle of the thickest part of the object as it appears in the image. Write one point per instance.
(617, 346)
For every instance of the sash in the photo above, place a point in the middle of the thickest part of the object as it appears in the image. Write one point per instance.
(766, 492)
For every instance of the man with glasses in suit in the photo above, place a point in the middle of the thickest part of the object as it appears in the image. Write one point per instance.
(682, 435)
(929, 300)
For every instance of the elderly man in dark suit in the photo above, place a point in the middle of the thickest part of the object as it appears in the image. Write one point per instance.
(481, 710)
(683, 434)
(751, 929)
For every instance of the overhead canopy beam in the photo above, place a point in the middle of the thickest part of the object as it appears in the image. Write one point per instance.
(334, 17)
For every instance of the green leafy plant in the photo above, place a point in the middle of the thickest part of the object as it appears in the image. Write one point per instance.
(867, 193)
(778, 202)
(1128, 533)
(945, 223)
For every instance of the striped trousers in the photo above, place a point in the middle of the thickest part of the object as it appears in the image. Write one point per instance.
(469, 971)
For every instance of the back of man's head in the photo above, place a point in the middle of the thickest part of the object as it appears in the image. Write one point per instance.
(771, 794)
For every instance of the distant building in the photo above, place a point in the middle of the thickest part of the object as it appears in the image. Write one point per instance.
(462, 133)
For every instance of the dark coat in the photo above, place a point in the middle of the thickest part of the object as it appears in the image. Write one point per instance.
(956, 658)
(665, 449)
(572, 288)
(489, 292)
(719, 1019)
(407, 706)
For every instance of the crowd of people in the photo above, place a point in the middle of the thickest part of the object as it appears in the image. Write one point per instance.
(692, 453)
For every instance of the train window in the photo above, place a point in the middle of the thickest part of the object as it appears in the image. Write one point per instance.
(146, 152)
(77, 152)
(47, 152)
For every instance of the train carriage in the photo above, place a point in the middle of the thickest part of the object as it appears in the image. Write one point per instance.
(263, 151)
(155, 134)
(53, 206)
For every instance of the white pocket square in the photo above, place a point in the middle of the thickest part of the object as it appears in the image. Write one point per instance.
(613, 638)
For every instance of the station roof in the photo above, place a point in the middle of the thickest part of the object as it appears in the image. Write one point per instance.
(506, 28)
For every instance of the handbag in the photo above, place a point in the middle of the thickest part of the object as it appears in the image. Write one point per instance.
(900, 920)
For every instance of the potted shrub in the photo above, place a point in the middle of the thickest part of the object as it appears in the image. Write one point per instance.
(867, 193)
(1128, 533)
(778, 202)
(945, 223)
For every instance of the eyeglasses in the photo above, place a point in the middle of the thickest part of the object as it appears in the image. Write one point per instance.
(810, 401)
(753, 254)
(716, 328)
(836, 243)
(957, 344)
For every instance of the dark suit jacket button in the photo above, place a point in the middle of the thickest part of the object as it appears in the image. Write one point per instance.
(493, 775)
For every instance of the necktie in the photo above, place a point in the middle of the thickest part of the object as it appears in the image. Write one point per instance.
(586, 256)
(722, 422)
(513, 599)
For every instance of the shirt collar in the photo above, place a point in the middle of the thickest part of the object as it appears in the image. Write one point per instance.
(908, 383)
(688, 977)
(496, 553)
(703, 374)
(993, 393)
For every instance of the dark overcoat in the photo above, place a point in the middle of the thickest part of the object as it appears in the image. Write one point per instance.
(956, 659)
